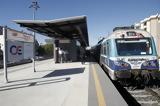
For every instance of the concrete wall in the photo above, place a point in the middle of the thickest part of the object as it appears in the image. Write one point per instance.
(148, 26)
(154, 31)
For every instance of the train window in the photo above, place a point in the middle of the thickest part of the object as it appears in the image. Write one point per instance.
(134, 47)
(104, 49)
(108, 49)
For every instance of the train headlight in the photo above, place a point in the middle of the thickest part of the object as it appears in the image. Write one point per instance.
(150, 63)
(126, 65)
(153, 63)
(145, 63)
(117, 63)
(121, 64)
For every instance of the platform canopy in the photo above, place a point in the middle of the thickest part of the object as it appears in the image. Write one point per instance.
(71, 28)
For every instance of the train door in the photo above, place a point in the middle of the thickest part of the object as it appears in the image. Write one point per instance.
(103, 53)
(107, 52)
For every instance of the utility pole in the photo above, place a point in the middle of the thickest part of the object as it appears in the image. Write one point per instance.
(34, 6)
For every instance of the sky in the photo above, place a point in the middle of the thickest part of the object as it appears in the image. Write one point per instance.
(102, 15)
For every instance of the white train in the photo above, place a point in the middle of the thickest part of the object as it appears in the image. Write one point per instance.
(129, 53)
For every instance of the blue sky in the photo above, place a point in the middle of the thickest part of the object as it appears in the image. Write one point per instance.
(102, 15)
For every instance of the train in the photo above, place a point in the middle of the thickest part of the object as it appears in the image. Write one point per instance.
(128, 54)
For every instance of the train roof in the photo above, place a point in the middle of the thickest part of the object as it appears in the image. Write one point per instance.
(129, 33)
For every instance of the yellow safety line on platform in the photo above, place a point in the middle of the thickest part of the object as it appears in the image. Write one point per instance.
(101, 100)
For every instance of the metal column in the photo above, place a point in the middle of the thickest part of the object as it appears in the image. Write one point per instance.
(56, 49)
(5, 55)
(35, 6)
(33, 59)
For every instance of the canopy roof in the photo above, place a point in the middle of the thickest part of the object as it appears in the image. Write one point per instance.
(71, 28)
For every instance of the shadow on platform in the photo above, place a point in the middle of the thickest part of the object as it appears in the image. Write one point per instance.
(20, 84)
(42, 81)
(63, 72)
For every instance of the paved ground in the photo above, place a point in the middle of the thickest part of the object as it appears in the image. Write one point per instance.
(66, 84)
(51, 85)
(101, 91)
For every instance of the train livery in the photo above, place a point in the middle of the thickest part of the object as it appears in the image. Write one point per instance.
(129, 53)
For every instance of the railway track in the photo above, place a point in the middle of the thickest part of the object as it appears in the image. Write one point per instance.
(146, 96)
(142, 96)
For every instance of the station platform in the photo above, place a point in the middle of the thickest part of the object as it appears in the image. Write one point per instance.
(64, 84)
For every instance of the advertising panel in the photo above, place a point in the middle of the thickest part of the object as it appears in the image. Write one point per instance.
(19, 45)
(28, 50)
(19, 36)
(1, 39)
(1, 42)
(15, 51)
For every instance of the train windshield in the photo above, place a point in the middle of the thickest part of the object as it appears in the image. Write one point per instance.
(128, 47)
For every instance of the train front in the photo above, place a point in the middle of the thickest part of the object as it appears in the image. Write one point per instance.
(136, 56)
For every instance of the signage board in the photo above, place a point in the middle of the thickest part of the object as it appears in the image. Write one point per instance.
(16, 46)
(15, 51)
(64, 41)
(28, 50)
(18, 36)
(19, 45)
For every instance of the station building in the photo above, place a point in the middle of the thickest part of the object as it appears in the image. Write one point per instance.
(69, 34)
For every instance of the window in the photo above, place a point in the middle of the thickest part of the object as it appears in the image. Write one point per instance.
(108, 49)
(128, 47)
(104, 49)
